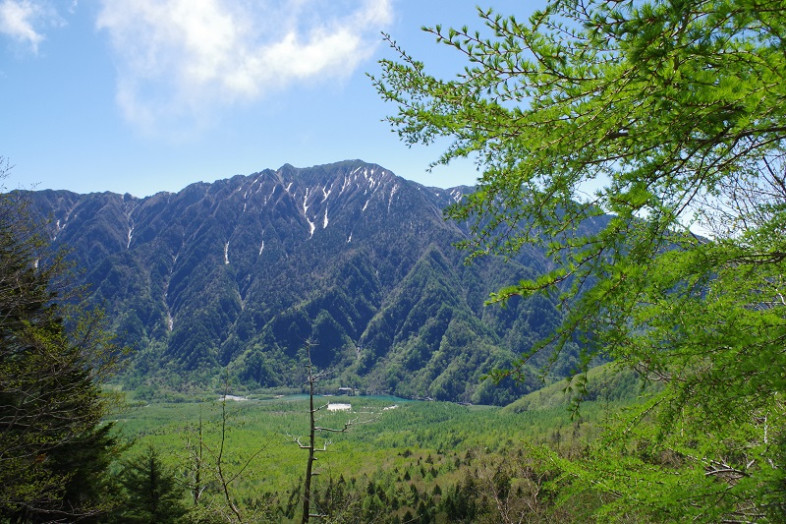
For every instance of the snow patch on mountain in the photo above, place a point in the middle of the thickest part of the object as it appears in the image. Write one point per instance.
(392, 192)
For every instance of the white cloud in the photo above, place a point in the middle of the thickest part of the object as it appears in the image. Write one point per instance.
(181, 60)
(23, 21)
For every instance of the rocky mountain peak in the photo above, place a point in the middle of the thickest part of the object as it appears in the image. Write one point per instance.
(241, 272)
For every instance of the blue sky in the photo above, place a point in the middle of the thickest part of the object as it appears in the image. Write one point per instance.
(142, 96)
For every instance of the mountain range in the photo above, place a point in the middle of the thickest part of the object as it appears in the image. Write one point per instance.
(237, 275)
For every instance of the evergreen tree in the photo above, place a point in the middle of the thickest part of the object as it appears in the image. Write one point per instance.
(151, 491)
(54, 449)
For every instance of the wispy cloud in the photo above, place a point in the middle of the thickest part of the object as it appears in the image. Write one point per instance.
(179, 61)
(24, 21)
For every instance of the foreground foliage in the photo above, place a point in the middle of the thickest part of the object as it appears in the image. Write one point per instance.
(54, 448)
(670, 118)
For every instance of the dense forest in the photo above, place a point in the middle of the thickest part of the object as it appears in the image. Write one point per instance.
(662, 125)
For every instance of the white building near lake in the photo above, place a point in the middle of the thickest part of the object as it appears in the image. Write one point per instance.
(339, 407)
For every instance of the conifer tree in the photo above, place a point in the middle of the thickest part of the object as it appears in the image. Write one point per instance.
(152, 493)
(54, 449)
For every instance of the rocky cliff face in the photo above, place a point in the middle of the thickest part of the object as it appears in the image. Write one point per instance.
(242, 272)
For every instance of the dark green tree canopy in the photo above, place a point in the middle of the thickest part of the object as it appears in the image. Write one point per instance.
(54, 449)
(152, 492)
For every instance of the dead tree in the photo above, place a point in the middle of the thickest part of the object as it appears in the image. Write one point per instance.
(313, 430)
(195, 464)
(226, 479)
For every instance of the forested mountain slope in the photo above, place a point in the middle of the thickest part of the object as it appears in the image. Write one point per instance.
(243, 271)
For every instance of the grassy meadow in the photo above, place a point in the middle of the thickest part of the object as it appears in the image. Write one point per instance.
(399, 460)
